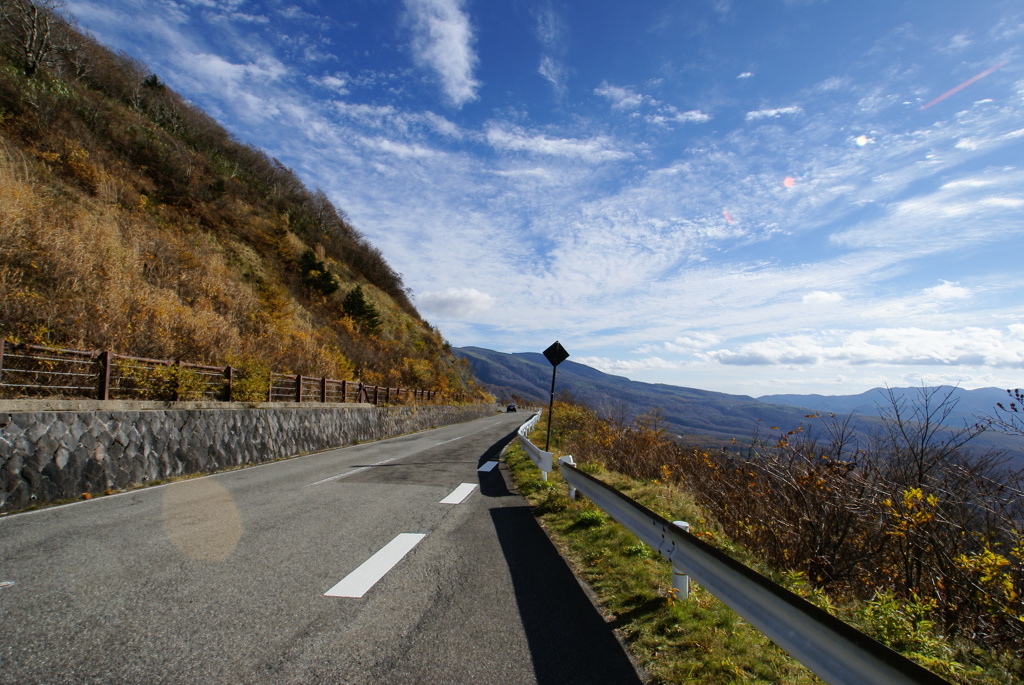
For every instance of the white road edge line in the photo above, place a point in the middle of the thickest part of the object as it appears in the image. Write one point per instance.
(489, 466)
(460, 493)
(357, 583)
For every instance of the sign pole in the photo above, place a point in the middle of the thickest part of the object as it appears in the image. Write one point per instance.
(555, 354)
(551, 408)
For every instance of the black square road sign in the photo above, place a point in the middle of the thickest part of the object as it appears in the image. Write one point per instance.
(556, 354)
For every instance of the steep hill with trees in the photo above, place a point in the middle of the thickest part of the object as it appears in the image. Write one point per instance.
(130, 220)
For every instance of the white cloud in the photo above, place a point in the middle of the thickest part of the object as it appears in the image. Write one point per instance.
(948, 291)
(456, 302)
(669, 114)
(335, 83)
(401, 149)
(958, 43)
(443, 41)
(772, 113)
(972, 347)
(596, 149)
(619, 96)
(616, 366)
(684, 344)
(745, 74)
(822, 297)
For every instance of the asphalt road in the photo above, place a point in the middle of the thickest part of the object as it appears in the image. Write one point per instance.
(223, 579)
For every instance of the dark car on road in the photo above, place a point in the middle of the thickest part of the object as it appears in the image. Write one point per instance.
(510, 408)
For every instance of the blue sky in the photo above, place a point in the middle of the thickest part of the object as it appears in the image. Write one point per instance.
(752, 197)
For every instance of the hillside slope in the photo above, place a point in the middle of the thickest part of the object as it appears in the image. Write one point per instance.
(130, 220)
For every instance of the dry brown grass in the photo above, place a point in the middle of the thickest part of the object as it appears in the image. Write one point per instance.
(130, 220)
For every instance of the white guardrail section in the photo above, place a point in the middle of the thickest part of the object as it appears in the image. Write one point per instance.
(833, 650)
(538, 456)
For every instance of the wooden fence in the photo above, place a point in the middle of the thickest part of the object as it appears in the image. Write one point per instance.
(33, 371)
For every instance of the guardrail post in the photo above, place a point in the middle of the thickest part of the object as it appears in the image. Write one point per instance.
(229, 373)
(298, 387)
(323, 389)
(3, 344)
(567, 459)
(270, 387)
(104, 389)
(344, 391)
(681, 581)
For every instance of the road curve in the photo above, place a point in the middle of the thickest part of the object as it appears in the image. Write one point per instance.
(225, 579)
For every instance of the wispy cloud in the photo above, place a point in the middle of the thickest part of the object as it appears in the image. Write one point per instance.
(442, 40)
(993, 347)
(550, 32)
(594, 149)
(772, 113)
(669, 114)
(620, 97)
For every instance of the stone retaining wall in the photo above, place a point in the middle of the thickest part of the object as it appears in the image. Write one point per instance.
(54, 455)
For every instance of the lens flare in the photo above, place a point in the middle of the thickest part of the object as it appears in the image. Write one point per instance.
(963, 85)
(201, 519)
(861, 140)
(728, 216)
(789, 181)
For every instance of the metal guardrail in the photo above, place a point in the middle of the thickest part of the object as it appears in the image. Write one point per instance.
(539, 457)
(836, 652)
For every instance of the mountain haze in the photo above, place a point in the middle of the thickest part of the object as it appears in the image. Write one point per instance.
(700, 415)
(714, 418)
(971, 405)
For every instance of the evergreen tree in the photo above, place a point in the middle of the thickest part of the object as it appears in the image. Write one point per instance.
(315, 274)
(360, 310)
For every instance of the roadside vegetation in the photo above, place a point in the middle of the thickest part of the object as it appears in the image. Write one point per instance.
(132, 221)
(905, 535)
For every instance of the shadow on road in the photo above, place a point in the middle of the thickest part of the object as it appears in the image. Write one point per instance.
(494, 451)
(569, 640)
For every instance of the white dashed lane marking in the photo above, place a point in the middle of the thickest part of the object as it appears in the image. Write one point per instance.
(357, 583)
(460, 493)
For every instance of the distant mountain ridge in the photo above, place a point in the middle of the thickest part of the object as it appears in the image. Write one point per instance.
(712, 417)
(971, 404)
(703, 416)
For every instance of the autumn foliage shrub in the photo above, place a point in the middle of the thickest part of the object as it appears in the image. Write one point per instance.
(908, 516)
(911, 511)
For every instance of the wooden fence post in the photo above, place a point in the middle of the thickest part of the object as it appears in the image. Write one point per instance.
(298, 387)
(229, 373)
(104, 389)
(3, 344)
(323, 389)
(177, 381)
(270, 387)
(344, 391)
